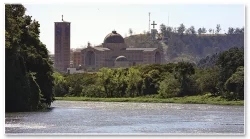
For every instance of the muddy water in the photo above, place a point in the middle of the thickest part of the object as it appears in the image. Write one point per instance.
(74, 117)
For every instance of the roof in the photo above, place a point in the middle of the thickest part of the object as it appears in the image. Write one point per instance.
(141, 49)
(76, 49)
(113, 37)
(62, 22)
(101, 48)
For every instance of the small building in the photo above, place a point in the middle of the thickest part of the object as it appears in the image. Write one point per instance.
(76, 58)
(73, 70)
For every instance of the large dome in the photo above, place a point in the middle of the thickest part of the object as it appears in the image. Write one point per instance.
(113, 37)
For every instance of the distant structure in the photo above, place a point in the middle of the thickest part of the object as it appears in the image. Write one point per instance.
(149, 23)
(168, 20)
(74, 70)
(75, 55)
(154, 31)
(114, 53)
(62, 45)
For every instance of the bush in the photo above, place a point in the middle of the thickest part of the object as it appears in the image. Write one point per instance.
(235, 85)
(92, 91)
(170, 87)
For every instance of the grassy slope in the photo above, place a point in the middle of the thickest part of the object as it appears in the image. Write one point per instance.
(205, 99)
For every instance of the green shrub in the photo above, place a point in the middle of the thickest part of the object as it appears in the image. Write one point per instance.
(170, 87)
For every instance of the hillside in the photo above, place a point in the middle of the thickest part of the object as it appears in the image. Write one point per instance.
(188, 47)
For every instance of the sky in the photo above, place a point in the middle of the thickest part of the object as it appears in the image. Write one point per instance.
(92, 22)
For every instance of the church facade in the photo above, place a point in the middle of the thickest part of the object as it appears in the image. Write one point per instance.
(114, 53)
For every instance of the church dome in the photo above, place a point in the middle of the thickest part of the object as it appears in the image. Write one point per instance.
(121, 58)
(113, 37)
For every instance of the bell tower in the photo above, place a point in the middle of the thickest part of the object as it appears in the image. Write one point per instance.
(62, 45)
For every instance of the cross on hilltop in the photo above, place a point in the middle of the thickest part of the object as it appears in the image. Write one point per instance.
(154, 24)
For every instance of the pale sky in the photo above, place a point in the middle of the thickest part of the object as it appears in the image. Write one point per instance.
(92, 22)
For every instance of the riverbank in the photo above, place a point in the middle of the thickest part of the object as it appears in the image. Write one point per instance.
(205, 99)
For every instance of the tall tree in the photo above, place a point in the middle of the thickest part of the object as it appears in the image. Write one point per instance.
(163, 30)
(199, 31)
(130, 31)
(183, 71)
(188, 31)
(228, 62)
(192, 29)
(210, 31)
(27, 62)
(181, 29)
(218, 28)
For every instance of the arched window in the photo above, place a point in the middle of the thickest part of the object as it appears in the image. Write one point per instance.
(90, 58)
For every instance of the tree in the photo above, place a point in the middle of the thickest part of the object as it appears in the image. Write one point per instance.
(120, 81)
(60, 88)
(169, 31)
(181, 29)
(242, 30)
(183, 70)
(134, 81)
(199, 31)
(230, 30)
(169, 87)
(210, 31)
(235, 85)
(239, 31)
(130, 31)
(203, 30)
(163, 30)
(28, 67)
(228, 62)
(218, 28)
(208, 81)
(105, 76)
(192, 30)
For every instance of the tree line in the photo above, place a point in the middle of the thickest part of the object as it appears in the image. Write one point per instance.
(225, 79)
(28, 70)
(166, 30)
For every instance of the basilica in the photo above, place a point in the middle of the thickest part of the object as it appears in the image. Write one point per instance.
(114, 53)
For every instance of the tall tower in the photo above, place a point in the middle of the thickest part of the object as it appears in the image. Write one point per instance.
(62, 45)
(149, 22)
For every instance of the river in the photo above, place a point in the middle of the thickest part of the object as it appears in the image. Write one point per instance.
(126, 118)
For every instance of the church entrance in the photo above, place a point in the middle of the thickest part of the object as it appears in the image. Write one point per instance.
(90, 58)
(157, 58)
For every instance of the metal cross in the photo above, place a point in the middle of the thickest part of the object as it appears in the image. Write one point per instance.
(153, 24)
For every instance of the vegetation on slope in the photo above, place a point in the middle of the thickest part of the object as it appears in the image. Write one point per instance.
(187, 44)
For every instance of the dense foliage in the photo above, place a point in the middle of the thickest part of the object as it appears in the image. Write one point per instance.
(161, 81)
(29, 79)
